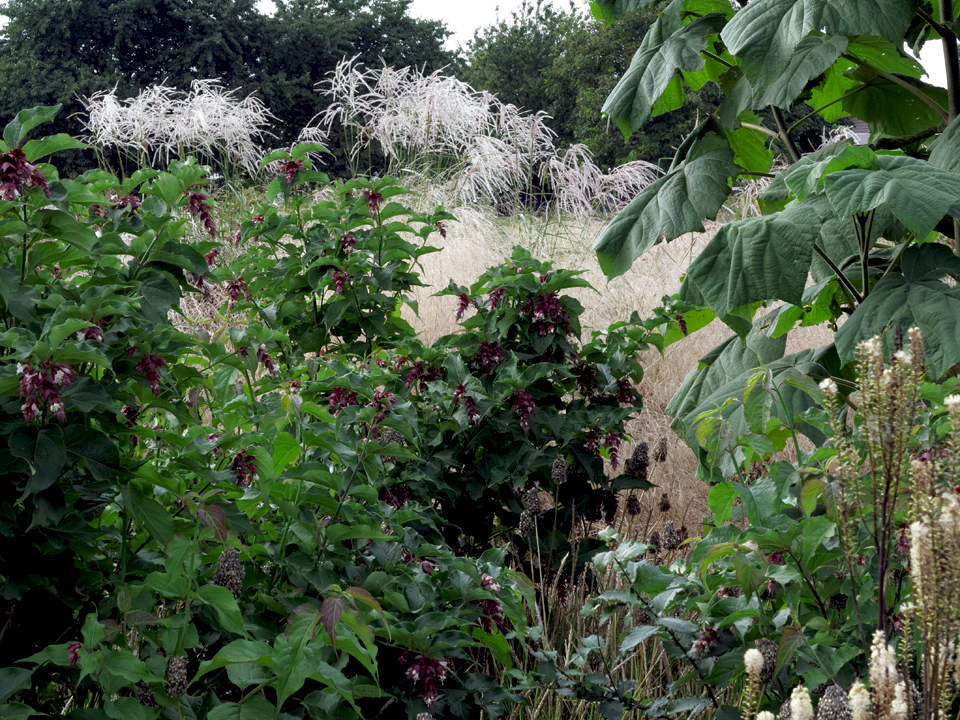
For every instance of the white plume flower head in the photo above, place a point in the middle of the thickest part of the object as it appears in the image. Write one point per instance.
(766, 715)
(829, 387)
(898, 708)
(753, 663)
(801, 706)
(860, 701)
(952, 402)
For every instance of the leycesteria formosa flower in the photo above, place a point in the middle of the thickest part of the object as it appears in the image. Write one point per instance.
(17, 174)
(611, 442)
(39, 388)
(340, 280)
(340, 399)
(347, 243)
(426, 672)
(148, 366)
(73, 652)
(547, 314)
(373, 202)
(488, 356)
(464, 301)
(291, 168)
(492, 608)
(522, 403)
(198, 206)
(269, 365)
(245, 465)
(236, 288)
(495, 296)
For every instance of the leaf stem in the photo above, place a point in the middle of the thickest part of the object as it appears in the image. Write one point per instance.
(840, 276)
(784, 135)
(717, 58)
(824, 107)
(761, 128)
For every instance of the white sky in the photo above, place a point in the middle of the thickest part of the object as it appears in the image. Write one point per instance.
(465, 16)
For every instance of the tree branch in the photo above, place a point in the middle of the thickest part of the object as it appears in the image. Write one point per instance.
(784, 135)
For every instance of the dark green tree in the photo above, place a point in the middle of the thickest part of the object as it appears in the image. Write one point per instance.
(509, 58)
(587, 64)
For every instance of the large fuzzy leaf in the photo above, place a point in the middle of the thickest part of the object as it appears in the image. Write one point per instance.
(771, 30)
(812, 57)
(765, 258)
(889, 108)
(777, 193)
(675, 204)
(667, 47)
(945, 150)
(610, 10)
(917, 192)
(917, 297)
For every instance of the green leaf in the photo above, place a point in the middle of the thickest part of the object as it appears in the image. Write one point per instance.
(918, 193)
(13, 680)
(498, 645)
(809, 495)
(18, 711)
(226, 606)
(36, 149)
(255, 707)
(667, 47)
(286, 450)
(780, 88)
(123, 664)
(17, 129)
(610, 10)
(44, 450)
(771, 30)
(875, 104)
(757, 401)
(750, 148)
(720, 501)
(636, 636)
(754, 260)
(237, 652)
(675, 204)
(917, 297)
(945, 150)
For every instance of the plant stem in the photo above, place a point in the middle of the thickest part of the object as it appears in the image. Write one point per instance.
(840, 276)
(951, 58)
(824, 107)
(761, 128)
(784, 135)
(717, 58)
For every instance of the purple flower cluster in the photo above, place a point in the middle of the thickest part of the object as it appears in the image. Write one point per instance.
(611, 442)
(236, 288)
(340, 280)
(592, 441)
(488, 356)
(198, 206)
(492, 608)
(264, 357)
(382, 402)
(406, 557)
(93, 332)
(465, 301)
(396, 495)
(128, 201)
(291, 168)
(442, 227)
(347, 243)
(547, 314)
(211, 256)
(148, 366)
(39, 388)
(521, 402)
(702, 644)
(16, 174)
(340, 398)
(428, 672)
(244, 464)
(625, 392)
(469, 404)
(373, 202)
(420, 374)
(495, 296)
(586, 376)
(73, 652)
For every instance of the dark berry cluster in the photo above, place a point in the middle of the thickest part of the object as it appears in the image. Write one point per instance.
(422, 373)
(396, 495)
(586, 376)
(347, 242)
(236, 288)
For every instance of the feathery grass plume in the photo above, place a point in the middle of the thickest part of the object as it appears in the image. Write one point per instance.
(486, 150)
(888, 406)
(162, 123)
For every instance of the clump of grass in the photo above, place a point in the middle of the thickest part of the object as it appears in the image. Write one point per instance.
(162, 123)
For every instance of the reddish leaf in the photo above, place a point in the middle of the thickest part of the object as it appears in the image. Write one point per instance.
(330, 614)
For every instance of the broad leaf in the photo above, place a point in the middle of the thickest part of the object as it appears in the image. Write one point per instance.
(919, 298)
(667, 47)
(777, 192)
(812, 56)
(889, 108)
(25, 121)
(918, 193)
(675, 204)
(772, 29)
(610, 10)
(36, 149)
(945, 150)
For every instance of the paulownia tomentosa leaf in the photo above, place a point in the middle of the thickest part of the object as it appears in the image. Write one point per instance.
(668, 46)
(917, 297)
(890, 109)
(608, 11)
(771, 30)
(673, 205)
(945, 150)
(917, 193)
(780, 87)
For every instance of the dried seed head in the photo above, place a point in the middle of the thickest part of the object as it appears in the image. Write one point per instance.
(558, 473)
(633, 505)
(145, 695)
(387, 436)
(532, 503)
(660, 454)
(175, 679)
(527, 524)
(768, 649)
(835, 705)
(664, 503)
(655, 540)
(230, 572)
(837, 602)
(671, 538)
(639, 461)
